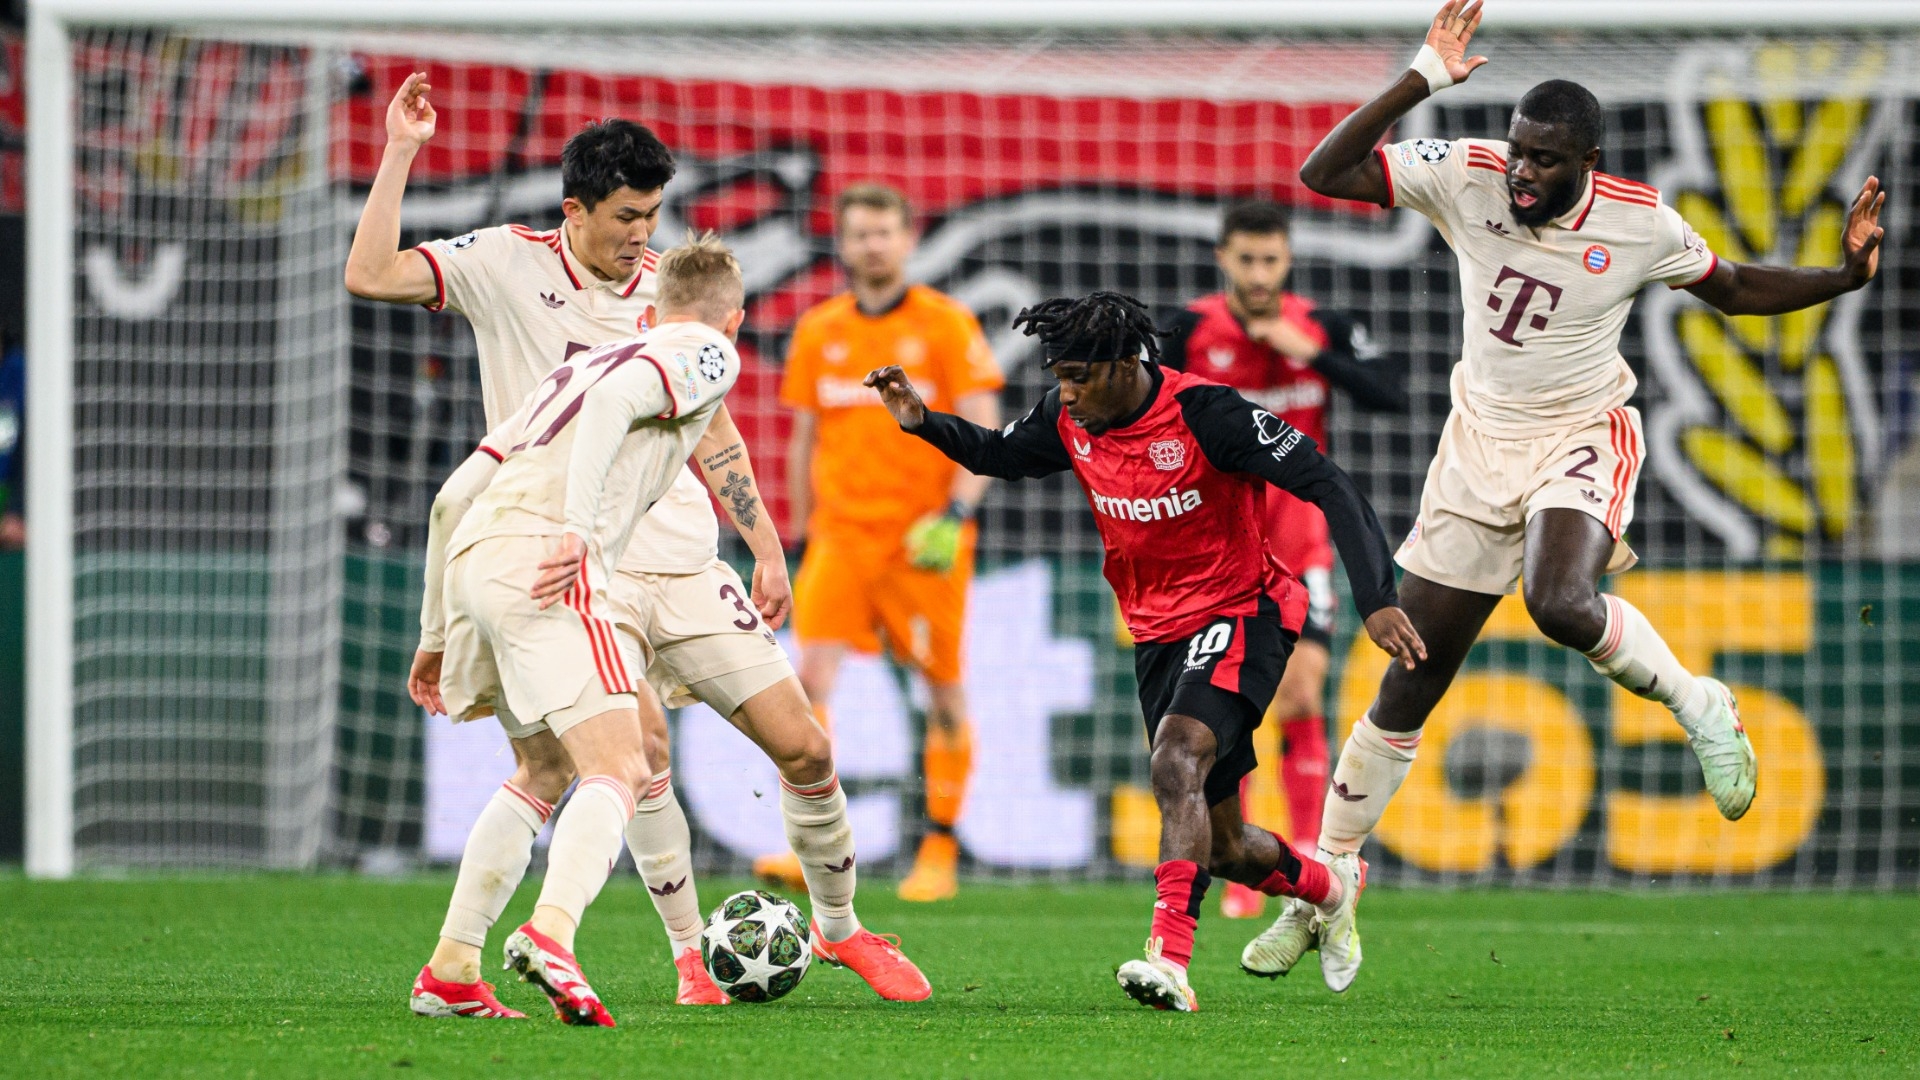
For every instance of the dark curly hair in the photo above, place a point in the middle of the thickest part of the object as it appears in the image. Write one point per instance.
(1098, 326)
(610, 154)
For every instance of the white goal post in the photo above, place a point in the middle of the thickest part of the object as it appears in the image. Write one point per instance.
(304, 578)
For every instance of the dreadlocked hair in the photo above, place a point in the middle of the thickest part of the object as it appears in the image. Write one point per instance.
(1098, 326)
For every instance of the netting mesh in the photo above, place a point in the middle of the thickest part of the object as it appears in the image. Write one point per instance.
(208, 429)
(1776, 519)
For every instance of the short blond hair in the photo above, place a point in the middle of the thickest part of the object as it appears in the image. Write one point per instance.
(700, 277)
(872, 196)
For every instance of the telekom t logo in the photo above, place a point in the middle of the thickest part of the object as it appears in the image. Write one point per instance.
(1528, 286)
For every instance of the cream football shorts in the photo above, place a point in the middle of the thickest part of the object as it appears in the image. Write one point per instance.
(708, 642)
(534, 669)
(1481, 492)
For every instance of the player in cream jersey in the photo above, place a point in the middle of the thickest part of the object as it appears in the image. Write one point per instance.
(1534, 475)
(528, 637)
(584, 459)
(534, 299)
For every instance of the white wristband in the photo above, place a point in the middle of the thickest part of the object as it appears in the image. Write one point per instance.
(1432, 68)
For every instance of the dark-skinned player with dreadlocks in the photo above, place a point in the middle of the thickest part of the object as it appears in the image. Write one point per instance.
(1173, 466)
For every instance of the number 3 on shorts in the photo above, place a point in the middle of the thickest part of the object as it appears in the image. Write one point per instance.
(1211, 641)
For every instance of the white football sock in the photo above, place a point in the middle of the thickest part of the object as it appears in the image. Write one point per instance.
(1633, 654)
(1372, 766)
(495, 860)
(818, 830)
(662, 847)
(586, 841)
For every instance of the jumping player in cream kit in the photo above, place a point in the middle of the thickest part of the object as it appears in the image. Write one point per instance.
(535, 299)
(1535, 472)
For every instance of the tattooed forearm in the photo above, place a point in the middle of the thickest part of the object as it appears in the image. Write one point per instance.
(738, 491)
(720, 459)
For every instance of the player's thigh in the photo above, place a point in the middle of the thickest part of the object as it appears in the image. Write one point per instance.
(469, 679)
(555, 663)
(1448, 621)
(1471, 531)
(1593, 470)
(925, 615)
(605, 739)
(709, 640)
(779, 720)
(833, 594)
(1223, 676)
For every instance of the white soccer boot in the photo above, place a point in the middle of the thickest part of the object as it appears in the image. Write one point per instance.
(1727, 761)
(1157, 982)
(1338, 935)
(1281, 945)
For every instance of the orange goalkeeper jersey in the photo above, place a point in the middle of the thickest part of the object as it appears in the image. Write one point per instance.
(870, 478)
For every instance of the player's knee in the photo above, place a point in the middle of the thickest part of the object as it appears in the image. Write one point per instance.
(1180, 760)
(1295, 702)
(807, 759)
(1567, 612)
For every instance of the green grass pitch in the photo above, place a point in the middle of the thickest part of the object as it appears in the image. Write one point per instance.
(307, 976)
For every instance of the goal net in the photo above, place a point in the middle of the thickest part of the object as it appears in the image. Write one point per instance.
(253, 454)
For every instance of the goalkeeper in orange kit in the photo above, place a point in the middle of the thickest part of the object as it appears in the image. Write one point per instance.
(888, 520)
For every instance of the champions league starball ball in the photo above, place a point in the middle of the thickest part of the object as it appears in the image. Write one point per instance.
(756, 946)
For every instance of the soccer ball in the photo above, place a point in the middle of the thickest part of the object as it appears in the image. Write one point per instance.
(756, 946)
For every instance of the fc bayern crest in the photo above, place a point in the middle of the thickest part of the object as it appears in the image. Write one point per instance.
(1597, 259)
(1168, 454)
(713, 362)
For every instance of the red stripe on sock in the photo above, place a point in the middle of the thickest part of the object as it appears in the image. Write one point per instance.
(619, 790)
(823, 789)
(544, 809)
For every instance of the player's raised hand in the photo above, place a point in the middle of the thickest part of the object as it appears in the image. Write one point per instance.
(1861, 240)
(559, 572)
(772, 591)
(1392, 631)
(899, 396)
(1452, 29)
(423, 681)
(410, 116)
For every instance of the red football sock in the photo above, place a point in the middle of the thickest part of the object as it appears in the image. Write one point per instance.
(1303, 776)
(1182, 887)
(1308, 879)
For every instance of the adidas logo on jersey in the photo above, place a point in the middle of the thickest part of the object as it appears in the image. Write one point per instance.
(1171, 505)
(552, 301)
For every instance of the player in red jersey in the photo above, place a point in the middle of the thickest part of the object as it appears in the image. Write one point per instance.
(1174, 468)
(1285, 355)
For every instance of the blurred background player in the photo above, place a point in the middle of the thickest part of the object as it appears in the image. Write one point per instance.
(1283, 354)
(887, 520)
(1533, 480)
(1173, 467)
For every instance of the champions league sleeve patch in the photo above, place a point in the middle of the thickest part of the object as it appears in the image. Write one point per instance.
(713, 362)
(463, 241)
(1432, 151)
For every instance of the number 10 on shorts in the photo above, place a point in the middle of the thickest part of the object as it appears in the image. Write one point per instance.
(1208, 643)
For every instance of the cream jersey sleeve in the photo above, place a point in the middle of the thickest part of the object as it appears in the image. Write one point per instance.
(1428, 175)
(465, 268)
(1680, 257)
